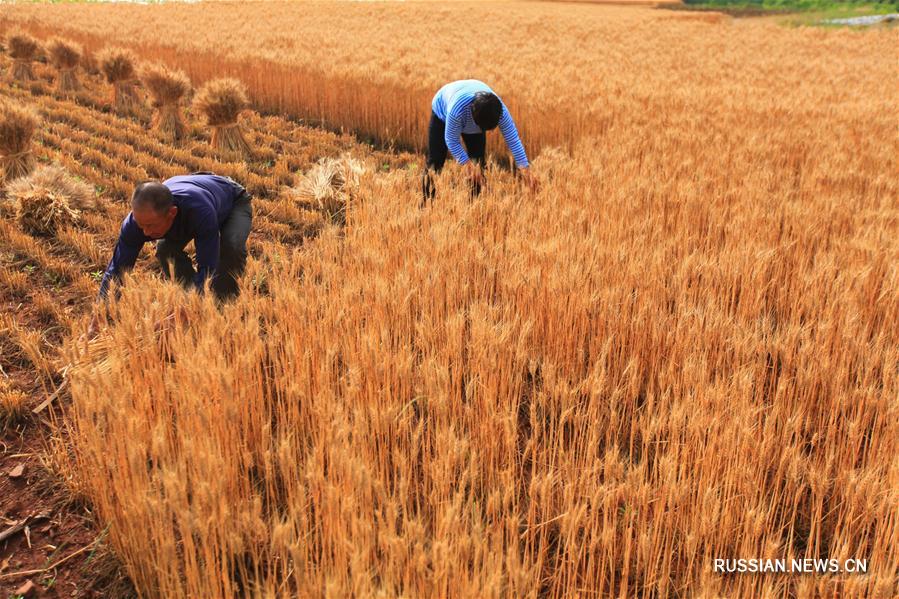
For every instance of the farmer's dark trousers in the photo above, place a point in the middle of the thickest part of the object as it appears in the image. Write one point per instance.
(232, 252)
(475, 145)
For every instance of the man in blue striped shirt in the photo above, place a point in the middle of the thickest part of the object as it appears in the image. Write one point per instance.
(467, 109)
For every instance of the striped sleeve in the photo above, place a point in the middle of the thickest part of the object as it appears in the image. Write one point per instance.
(510, 134)
(453, 133)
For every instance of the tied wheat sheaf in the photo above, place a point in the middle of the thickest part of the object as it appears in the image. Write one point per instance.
(48, 199)
(221, 101)
(329, 186)
(17, 127)
(65, 56)
(23, 50)
(117, 65)
(168, 87)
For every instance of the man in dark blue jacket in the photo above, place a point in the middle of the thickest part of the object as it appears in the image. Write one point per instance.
(212, 211)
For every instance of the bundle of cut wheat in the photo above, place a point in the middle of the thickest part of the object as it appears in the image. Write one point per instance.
(167, 87)
(23, 49)
(330, 185)
(221, 102)
(49, 198)
(118, 67)
(17, 127)
(65, 55)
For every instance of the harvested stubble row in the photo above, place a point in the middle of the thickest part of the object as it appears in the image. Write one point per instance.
(14, 281)
(299, 147)
(84, 243)
(29, 343)
(29, 246)
(89, 156)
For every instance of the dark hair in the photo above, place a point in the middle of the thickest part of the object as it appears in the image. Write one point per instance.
(153, 195)
(486, 110)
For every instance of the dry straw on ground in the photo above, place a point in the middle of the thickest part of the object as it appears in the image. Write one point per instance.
(221, 101)
(65, 56)
(168, 88)
(118, 65)
(48, 199)
(17, 127)
(23, 49)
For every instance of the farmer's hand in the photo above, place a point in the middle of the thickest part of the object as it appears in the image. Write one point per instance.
(532, 182)
(475, 174)
(177, 317)
(94, 327)
(181, 316)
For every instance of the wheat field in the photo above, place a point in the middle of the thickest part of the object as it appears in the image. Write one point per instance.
(683, 347)
(566, 70)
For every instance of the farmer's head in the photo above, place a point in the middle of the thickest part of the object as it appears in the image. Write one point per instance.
(486, 110)
(153, 209)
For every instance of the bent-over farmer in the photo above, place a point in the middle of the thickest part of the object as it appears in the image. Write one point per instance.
(467, 109)
(211, 210)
